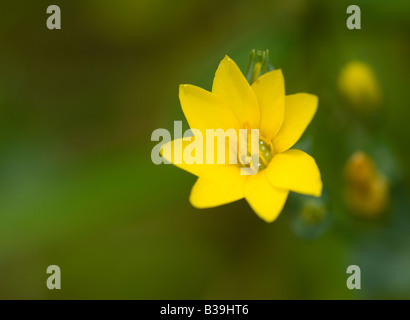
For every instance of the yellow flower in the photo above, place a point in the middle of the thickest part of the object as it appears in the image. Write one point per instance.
(366, 189)
(281, 121)
(359, 85)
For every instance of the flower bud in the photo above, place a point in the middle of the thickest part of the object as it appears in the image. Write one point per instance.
(360, 87)
(366, 189)
(258, 65)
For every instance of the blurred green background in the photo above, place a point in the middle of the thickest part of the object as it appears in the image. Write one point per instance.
(78, 188)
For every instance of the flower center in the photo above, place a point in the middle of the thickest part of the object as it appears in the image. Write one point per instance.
(265, 153)
(265, 150)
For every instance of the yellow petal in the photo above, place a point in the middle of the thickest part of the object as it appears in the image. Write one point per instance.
(299, 111)
(266, 200)
(295, 170)
(204, 110)
(173, 152)
(270, 92)
(225, 187)
(231, 85)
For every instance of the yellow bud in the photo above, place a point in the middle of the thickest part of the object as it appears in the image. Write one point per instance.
(359, 86)
(256, 71)
(366, 189)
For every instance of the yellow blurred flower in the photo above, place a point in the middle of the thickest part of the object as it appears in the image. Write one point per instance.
(366, 189)
(281, 120)
(359, 85)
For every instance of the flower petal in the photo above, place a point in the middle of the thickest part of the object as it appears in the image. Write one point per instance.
(299, 111)
(266, 200)
(204, 110)
(295, 170)
(173, 152)
(225, 187)
(270, 92)
(231, 85)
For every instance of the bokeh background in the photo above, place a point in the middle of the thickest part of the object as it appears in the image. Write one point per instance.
(78, 188)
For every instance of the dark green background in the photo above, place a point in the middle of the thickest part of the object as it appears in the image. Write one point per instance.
(78, 187)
